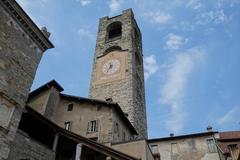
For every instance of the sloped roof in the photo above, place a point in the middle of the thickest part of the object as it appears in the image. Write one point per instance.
(80, 139)
(114, 105)
(227, 138)
(182, 136)
(232, 135)
(44, 87)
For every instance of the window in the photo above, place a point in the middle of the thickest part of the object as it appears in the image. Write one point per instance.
(70, 107)
(211, 145)
(192, 144)
(68, 125)
(174, 148)
(114, 30)
(124, 136)
(109, 99)
(154, 148)
(92, 126)
(116, 128)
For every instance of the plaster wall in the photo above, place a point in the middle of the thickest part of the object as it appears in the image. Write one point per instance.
(138, 149)
(185, 149)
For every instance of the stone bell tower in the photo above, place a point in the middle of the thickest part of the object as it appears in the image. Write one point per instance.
(118, 68)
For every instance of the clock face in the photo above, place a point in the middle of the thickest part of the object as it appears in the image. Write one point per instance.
(111, 66)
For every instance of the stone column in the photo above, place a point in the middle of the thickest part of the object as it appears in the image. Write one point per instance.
(55, 143)
(78, 151)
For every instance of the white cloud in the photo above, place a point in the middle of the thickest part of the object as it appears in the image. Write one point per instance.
(194, 4)
(115, 5)
(217, 16)
(230, 117)
(174, 41)
(84, 2)
(150, 66)
(187, 26)
(158, 17)
(174, 89)
(85, 33)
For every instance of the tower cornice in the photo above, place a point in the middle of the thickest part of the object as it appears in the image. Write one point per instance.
(20, 16)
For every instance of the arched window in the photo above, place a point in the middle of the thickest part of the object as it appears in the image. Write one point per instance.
(114, 30)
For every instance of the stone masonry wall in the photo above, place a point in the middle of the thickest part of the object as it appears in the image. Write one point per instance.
(123, 91)
(24, 147)
(19, 58)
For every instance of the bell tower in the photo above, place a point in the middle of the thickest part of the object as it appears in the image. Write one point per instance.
(118, 68)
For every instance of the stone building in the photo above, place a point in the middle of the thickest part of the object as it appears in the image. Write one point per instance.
(111, 124)
(38, 138)
(21, 47)
(102, 121)
(118, 68)
(54, 128)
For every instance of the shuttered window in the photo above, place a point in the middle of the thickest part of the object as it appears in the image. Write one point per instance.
(92, 126)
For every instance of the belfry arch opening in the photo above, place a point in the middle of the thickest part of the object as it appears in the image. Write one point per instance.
(114, 30)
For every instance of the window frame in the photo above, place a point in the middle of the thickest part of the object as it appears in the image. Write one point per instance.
(70, 107)
(68, 125)
(92, 126)
(154, 148)
(211, 145)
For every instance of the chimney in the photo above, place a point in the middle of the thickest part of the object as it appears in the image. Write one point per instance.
(45, 32)
(209, 129)
(171, 134)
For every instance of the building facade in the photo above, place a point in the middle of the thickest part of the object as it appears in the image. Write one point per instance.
(101, 121)
(118, 68)
(198, 146)
(229, 145)
(47, 124)
(21, 47)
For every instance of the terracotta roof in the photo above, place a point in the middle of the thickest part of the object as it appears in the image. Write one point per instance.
(227, 138)
(229, 135)
(78, 138)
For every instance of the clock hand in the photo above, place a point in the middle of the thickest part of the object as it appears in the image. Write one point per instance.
(110, 67)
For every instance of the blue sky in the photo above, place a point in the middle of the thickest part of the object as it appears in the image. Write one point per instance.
(191, 56)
